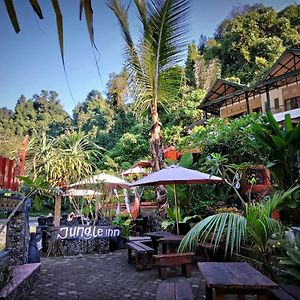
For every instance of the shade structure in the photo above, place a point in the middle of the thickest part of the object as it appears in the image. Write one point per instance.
(80, 193)
(109, 182)
(176, 175)
(134, 170)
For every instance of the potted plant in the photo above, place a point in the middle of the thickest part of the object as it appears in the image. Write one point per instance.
(126, 226)
(184, 225)
(256, 179)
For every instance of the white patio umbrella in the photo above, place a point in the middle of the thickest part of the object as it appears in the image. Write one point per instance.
(80, 193)
(134, 170)
(177, 175)
(110, 182)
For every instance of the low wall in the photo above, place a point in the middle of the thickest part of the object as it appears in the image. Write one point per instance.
(72, 247)
(154, 218)
(18, 236)
(24, 277)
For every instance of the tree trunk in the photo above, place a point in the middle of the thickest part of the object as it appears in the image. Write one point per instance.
(156, 148)
(57, 211)
(156, 145)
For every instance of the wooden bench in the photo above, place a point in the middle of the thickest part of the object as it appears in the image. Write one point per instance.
(143, 254)
(174, 259)
(179, 290)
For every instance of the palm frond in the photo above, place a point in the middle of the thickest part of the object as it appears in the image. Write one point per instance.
(160, 46)
(168, 21)
(12, 14)
(59, 23)
(216, 227)
(260, 226)
(36, 7)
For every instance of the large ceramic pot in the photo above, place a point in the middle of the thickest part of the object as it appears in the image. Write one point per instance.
(261, 177)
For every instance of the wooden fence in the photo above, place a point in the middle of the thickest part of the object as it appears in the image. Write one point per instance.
(9, 170)
(8, 173)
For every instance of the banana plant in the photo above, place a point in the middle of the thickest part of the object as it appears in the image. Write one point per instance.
(283, 144)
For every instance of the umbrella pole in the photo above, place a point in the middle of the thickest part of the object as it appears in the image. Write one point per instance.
(176, 208)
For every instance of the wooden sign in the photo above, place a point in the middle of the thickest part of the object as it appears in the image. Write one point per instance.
(85, 232)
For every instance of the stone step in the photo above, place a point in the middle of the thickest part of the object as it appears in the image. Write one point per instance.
(24, 276)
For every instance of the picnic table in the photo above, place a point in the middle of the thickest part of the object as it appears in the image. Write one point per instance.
(234, 278)
(155, 236)
(170, 243)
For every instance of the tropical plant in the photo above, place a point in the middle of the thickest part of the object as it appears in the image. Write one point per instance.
(282, 144)
(292, 262)
(162, 40)
(233, 138)
(6, 275)
(170, 222)
(231, 173)
(125, 223)
(254, 226)
(61, 161)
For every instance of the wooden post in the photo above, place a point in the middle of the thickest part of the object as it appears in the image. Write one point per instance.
(247, 102)
(176, 208)
(268, 103)
(57, 211)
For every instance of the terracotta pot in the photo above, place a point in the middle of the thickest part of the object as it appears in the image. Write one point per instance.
(275, 215)
(170, 153)
(264, 182)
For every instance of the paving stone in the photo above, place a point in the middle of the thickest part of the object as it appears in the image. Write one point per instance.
(103, 276)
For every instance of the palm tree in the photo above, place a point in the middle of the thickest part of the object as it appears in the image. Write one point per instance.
(160, 45)
(61, 161)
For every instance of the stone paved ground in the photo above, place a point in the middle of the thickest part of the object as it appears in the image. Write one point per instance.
(103, 277)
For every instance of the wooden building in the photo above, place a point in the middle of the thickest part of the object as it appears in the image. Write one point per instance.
(278, 91)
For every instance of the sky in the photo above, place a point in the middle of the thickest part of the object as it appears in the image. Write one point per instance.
(30, 61)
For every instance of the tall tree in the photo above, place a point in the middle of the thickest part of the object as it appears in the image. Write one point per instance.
(94, 115)
(251, 38)
(117, 89)
(43, 112)
(161, 43)
(192, 56)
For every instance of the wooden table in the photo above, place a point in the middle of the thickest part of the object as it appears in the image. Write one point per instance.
(234, 278)
(155, 236)
(179, 290)
(171, 243)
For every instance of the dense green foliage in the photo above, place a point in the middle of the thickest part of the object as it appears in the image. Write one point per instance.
(282, 145)
(251, 38)
(111, 121)
(232, 137)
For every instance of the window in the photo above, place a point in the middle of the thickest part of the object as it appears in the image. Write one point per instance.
(257, 110)
(276, 103)
(292, 103)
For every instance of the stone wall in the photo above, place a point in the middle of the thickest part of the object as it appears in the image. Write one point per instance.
(72, 247)
(153, 216)
(18, 236)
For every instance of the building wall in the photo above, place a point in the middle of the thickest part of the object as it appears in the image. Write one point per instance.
(240, 107)
(282, 93)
